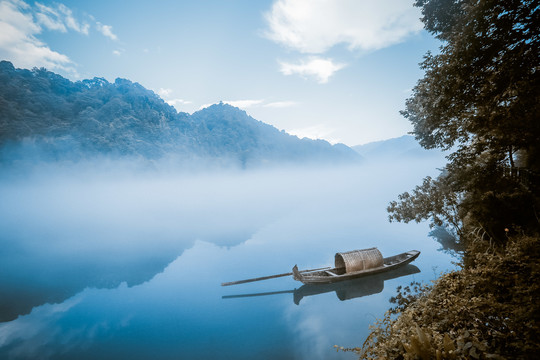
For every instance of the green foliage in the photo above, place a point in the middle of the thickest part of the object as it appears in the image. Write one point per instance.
(434, 200)
(407, 295)
(489, 310)
(483, 84)
(479, 97)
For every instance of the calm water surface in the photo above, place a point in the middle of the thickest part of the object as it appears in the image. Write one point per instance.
(111, 264)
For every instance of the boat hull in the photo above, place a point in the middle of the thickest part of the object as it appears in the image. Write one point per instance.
(335, 274)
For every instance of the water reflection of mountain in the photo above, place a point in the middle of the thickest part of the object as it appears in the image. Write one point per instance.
(39, 281)
(33, 278)
(345, 290)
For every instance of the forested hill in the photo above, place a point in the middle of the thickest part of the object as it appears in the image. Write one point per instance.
(44, 116)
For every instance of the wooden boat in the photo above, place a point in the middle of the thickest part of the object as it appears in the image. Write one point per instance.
(354, 288)
(355, 264)
(345, 290)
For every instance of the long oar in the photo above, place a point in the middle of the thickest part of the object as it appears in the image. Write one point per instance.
(267, 277)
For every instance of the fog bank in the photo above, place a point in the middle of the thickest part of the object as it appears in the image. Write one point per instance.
(65, 228)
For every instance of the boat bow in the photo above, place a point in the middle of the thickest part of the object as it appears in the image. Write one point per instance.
(296, 274)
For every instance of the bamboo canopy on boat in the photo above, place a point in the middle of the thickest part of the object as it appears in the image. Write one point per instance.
(357, 260)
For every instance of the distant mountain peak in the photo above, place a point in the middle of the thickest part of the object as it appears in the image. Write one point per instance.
(222, 106)
(397, 148)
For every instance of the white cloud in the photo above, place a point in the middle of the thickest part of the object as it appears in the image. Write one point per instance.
(106, 30)
(20, 26)
(59, 18)
(164, 92)
(177, 103)
(18, 42)
(49, 18)
(319, 68)
(314, 26)
(243, 104)
(316, 132)
(117, 52)
(280, 104)
(71, 22)
(14, 15)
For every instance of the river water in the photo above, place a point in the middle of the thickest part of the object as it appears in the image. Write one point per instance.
(118, 263)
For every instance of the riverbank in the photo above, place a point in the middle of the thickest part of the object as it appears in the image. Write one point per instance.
(487, 310)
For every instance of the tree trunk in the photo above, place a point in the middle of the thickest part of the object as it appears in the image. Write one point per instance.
(511, 157)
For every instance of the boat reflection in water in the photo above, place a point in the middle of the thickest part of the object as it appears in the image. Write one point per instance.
(345, 290)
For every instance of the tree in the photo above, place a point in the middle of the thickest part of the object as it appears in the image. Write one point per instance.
(480, 98)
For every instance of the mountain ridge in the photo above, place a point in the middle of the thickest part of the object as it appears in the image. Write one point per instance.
(44, 116)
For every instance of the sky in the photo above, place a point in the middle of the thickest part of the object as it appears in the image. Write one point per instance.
(337, 70)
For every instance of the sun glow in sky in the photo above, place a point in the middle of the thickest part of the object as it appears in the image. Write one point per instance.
(337, 70)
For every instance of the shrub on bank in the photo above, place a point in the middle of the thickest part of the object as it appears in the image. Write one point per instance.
(488, 310)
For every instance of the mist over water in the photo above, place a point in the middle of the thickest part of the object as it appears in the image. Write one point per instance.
(116, 259)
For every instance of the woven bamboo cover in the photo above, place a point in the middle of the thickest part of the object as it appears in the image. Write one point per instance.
(357, 260)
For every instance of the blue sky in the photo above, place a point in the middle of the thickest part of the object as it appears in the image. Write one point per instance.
(338, 70)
